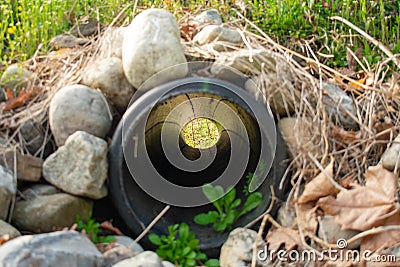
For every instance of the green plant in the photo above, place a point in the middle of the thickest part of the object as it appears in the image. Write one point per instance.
(92, 230)
(181, 247)
(227, 206)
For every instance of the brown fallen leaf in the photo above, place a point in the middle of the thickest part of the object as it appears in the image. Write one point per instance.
(344, 137)
(319, 187)
(308, 217)
(366, 206)
(384, 239)
(283, 236)
(384, 130)
(107, 225)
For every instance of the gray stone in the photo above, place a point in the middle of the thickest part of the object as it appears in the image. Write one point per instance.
(61, 249)
(286, 215)
(391, 157)
(221, 37)
(125, 248)
(339, 106)
(147, 258)
(7, 229)
(80, 166)
(78, 108)
(34, 136)
(8, 189)
(44, 209)
(117, 254)
(237, 251)
(85, 28)
(67, 41)
(39, 190)
(279, 92)
(108, 75)
(152, 44)
(209, 17)
(298, 133)
(16, 78)
(128, 242)
(330, 231)
(245, 61)
(111, 42)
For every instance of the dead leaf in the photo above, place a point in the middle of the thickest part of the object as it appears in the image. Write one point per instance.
(9, 94)
(343, 136)
(4, 239)
(384, 130)
(366, 206)
(358, 84)
(319, 187)
(107, 225)
(283, 236)
(369, 78)
(385, 239)
(348, 181)
(308, 217)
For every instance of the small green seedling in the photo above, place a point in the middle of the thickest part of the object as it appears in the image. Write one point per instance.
(228, 210)
(92, 230)
(181, 247)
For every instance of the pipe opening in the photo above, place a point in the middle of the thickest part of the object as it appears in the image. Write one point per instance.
(231, 120)
(201, 133)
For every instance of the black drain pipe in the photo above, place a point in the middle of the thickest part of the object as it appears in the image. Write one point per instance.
(151, 166)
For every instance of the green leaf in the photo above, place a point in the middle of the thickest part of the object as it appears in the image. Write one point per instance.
(236, 203)
(251, 203)
(155, 239)
(190, 262)
(201, 257)
(186, 251)
(206, 218)
(183, 231)
(212, 263)
(229, 197)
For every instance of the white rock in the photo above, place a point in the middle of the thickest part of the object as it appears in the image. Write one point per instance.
(7, 229)
(245, 61)
(237, 251)
(45, 208)
(108, 75)
(330, 231)
(298, 133)
(168, 264)
(147, 258)
(125, 248)
(61, 249)
(151, 44)
(391, 157)
(221, 37)
(80, 166)
(111, 42)
(8, 189)
(78, 108)
(339, 106)
(209, 16)
(128, 242)
(117, 254)
(279, 92)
